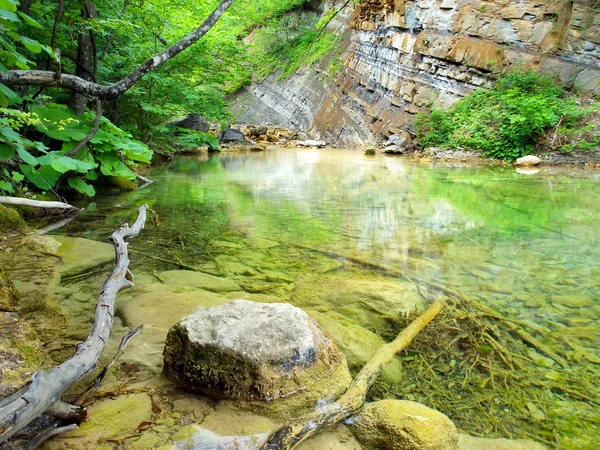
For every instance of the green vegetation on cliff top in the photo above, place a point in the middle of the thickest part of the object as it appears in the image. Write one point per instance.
(508, 120)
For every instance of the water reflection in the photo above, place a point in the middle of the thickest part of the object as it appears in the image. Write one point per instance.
(528, 245)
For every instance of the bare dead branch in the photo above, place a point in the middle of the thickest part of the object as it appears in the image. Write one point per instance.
(92, 132)
(297, 430)
(46, 387)
(18, 201)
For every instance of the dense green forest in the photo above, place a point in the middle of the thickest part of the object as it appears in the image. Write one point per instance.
(42, 128)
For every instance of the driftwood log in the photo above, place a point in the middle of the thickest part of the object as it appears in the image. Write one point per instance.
(44, 390)
(300, 429)
(35, 203)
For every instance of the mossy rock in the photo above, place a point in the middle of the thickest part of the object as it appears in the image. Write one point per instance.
(256, 353)
(122, 184)
(79, 255)
(110, 418)
(358, 344)
(373, 303)
(9, 298)
(186, 280)
(10, 221)
(403, 425)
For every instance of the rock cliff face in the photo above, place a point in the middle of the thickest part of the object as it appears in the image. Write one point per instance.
(405, 56)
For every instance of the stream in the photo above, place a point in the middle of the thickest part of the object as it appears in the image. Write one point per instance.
(527, 246)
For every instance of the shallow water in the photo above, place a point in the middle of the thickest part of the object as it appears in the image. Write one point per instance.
(526, 245)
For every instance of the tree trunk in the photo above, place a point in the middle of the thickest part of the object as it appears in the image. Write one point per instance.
(86, 49)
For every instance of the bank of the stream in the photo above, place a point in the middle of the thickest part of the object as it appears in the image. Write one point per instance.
(336, 233)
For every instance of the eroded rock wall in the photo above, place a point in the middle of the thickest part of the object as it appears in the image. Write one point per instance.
(405, 56)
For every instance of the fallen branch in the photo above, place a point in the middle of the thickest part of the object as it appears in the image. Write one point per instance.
(82, 400)
(18, 201)
(46, 387)
(145, 181)
(300, 429)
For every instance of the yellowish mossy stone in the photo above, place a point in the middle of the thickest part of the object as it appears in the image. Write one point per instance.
(187, 280)
(476, 443)
(403, 425)
(10, 220)
(226, 420)
(357, 343)
(148, 441)
(41, 244)
(79, 255)
(109, 418)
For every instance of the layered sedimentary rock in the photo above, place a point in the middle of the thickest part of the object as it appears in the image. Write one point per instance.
(407, 56)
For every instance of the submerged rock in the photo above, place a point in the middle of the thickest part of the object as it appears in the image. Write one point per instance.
(79, 255)
(109, 418)
(358, 344)
(187, 280)
(403, 425)
(476, 443)
(252, 351)
(375, 304)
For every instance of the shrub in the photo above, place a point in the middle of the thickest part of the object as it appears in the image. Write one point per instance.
(505, 121)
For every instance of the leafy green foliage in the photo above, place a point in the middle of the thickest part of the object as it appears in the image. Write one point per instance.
(191, 139)
(111, 151)
(292, 42)
(504, 122)
(11, 23)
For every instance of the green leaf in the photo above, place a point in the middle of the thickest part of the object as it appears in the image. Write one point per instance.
(6, 151)
(112, 166)
(27, 157)
(32, 45)
(10, 134)
(10, 5)
(63, 164)
(16, 176)
(11, 96)
(45, 178)
(9, 15)
(81, 186)
(7, 187)
(29, 21)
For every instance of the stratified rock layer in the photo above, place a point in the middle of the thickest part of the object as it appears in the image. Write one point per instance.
(403, 57)
(252, 351)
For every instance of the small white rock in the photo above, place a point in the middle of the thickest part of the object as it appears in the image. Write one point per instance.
(528, 160)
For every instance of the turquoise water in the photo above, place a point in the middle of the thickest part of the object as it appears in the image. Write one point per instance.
(526, 245)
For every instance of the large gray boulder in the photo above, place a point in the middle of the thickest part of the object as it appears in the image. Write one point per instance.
(249, 351)
(231, 136)
(193, 122)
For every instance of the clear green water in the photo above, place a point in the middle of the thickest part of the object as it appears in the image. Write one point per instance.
(529, 246)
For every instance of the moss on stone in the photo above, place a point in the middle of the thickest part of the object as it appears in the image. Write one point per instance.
(122, 184)
(10, 221)
(109, 418)
(403, 425)
(9, 297)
